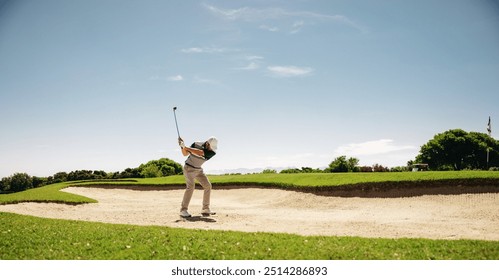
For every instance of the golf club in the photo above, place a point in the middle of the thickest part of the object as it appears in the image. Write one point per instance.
(175, 115)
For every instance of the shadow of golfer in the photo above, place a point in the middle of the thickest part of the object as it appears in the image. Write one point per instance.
(197, 219)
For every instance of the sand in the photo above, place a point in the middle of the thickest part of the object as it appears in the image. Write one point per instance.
(460, 216)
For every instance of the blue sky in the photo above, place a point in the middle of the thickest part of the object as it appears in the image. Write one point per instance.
(91, 84)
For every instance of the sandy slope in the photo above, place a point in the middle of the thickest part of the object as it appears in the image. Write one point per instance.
(464, 216)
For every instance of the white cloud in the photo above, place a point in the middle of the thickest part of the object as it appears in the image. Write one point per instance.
(254, 57)
(297, 26)
(375, 147)
(204, 50)
(251, 66)
(384, 151)
(269, 28)
(252, 14)
(229, 14)
(266, 14)
(192, 50)
(176, 78)
(289, 71)
(254, 62)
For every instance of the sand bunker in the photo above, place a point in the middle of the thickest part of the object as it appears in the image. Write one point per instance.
(462, 216)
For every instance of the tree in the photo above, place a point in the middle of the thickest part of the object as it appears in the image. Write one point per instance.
(269, 171)
(5, 184)
(302, 170)
(457, 149)
(341, 164)
(80, 175)
(352, 164)
(399, 169)
(164, 167)
(20, 182)
(129, 173)
(60, 177)
(365, 168)
(151, 171)
(380, 168)
(290, 171)
(99, 174)
(310, 170)
(39, 181)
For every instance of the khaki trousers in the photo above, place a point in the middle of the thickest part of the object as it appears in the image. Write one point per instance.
(191, 174)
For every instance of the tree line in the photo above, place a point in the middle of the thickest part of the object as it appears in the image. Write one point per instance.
(454, 149)
(342, 164)
(154, 168)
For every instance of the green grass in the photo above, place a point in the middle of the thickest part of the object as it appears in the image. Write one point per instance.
(338, 179)
(24, 237)
(49, 193)
(323, 179)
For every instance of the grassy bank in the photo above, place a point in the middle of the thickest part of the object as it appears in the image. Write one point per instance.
(49, 193)
(24, 237)
(306, 181)
(326, 179)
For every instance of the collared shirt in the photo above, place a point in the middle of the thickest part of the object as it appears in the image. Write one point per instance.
(196, 161)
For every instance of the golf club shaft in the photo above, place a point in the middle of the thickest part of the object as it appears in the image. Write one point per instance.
(176, 124)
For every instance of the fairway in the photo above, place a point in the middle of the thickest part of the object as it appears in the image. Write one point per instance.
(457, 216)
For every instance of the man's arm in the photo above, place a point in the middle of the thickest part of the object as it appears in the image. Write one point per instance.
(197, 152)
(189, 150)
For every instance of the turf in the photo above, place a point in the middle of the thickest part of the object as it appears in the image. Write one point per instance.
(49, 193)
(322, 179)
(24, 237)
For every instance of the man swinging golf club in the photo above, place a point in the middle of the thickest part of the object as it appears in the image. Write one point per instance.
(198, 153)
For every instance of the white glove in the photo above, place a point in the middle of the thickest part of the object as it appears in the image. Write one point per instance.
(181, 144)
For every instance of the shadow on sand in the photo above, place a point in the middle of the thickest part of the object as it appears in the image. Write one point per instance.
(197, 219)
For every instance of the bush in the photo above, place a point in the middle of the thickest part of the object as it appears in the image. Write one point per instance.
(302, 170)
(269, 171)
(380, 168)
(290, 170)
(399, 169)
(365, 169)
(83, 175)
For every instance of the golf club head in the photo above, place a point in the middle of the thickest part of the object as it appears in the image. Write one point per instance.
(174, 108)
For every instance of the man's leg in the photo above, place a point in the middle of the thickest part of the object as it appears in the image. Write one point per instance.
(205, 183)
(189, 174)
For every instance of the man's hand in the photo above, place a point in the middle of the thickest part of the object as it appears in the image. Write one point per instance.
(181, 143)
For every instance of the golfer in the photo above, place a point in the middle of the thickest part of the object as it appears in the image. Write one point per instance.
(198, 153)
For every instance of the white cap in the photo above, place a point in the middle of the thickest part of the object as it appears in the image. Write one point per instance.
(213, 143)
